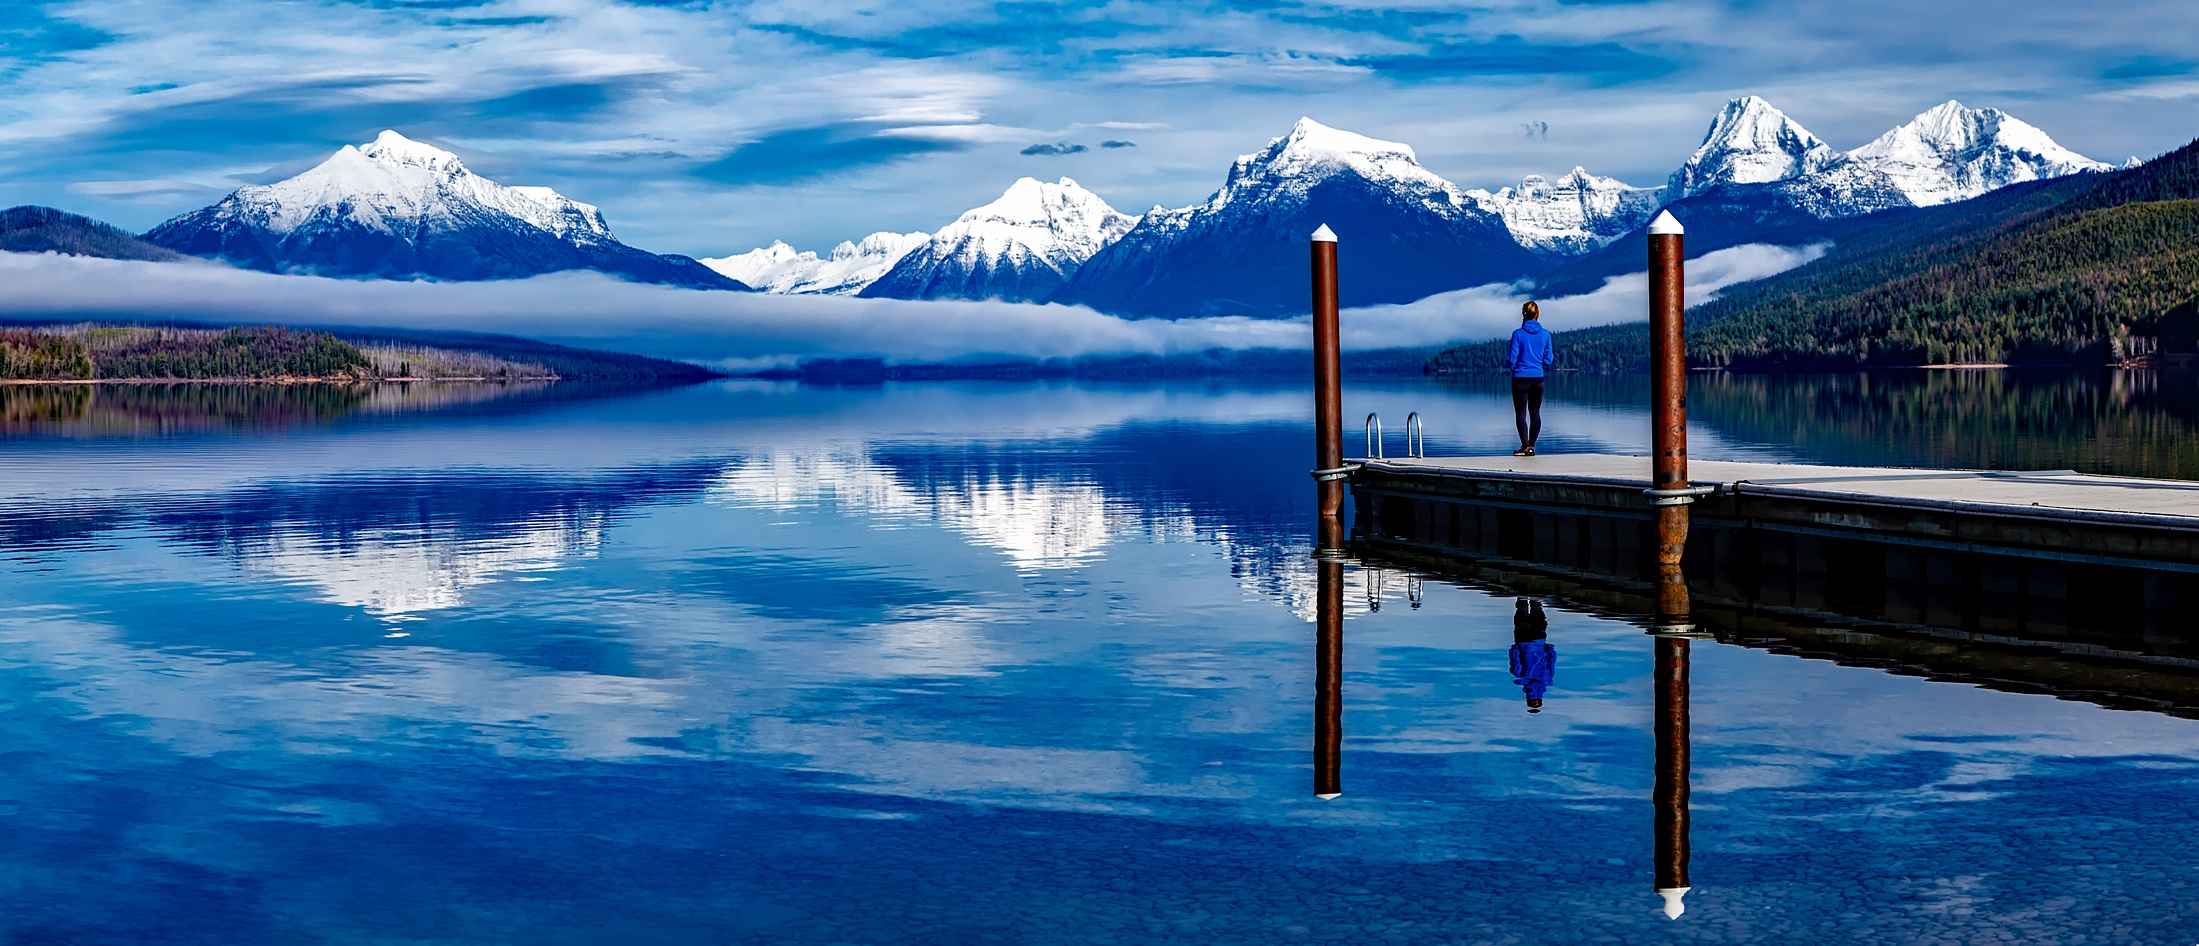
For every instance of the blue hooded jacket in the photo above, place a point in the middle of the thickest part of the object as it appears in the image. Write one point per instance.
(1531, 353)
(1534, 667)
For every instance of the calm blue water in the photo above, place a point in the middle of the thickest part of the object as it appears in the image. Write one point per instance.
(984, 663)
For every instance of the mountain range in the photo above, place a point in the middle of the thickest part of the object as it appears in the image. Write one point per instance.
(1757, 176)
(2058, 271)
(398, 208)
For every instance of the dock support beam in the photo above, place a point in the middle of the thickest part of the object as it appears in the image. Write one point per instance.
(1668, 387)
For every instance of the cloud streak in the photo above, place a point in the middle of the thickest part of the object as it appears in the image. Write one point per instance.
(757, 329)
(1052, 149)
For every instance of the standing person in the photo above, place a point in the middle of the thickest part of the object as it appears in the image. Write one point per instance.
(1530, 359)
(1534, 662)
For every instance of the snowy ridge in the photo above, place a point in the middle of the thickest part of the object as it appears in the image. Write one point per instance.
(1059, 222)
(851, 266)
(1019, 247)
(394, 183)
(1240, 251)
(1951, 152)
(399, 208)
(1750, 142)
(1313, 152)
(1574, 214)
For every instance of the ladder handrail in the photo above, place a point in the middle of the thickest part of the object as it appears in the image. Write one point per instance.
(1374, 437)
(1416, 436)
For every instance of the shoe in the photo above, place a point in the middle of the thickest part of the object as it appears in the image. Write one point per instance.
(1521, 452)
(1530, 452)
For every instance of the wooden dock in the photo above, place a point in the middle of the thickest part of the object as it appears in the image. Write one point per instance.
(2029, 556)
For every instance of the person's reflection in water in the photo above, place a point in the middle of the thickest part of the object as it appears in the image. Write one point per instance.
(1534, 661)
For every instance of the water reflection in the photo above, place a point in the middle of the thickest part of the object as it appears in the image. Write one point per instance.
(1672, 633)
(1328, 681)
(1533, 659)
(1671, 792)
(164, 410)
(927, 659)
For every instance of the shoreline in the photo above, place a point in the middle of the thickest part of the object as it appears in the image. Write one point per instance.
(282, 381)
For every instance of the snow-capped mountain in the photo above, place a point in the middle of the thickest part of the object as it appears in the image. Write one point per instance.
(1406, 233)
(1572, 215)
(1757, 176)
(850, 267)
(1750, 142)
(395, 207)
(1952, 152)
(1948, 153)
(1021, 247)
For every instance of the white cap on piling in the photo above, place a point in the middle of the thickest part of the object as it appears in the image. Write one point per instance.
(1674, 906)
(1666, 224)
(1324, 235)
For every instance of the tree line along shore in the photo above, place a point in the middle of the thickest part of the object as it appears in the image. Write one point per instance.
(135, 354)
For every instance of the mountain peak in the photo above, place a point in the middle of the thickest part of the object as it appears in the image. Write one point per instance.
(1311, 139)
(398, 207)
(1313, 152)
(1951, 152)
(1030, 201)
(1021, 246)
(1750, 142)
(1751, 105)
(390, 146)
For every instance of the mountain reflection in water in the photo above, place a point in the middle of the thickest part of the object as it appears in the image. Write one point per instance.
(995, 663)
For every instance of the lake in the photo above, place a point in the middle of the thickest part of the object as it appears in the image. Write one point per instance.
(998, 662)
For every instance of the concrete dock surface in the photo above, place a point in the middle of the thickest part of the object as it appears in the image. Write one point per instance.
(2057, 494)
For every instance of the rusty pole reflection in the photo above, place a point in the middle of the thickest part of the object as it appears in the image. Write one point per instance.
(1328, 682)
(1673, 633)
(1668, 387)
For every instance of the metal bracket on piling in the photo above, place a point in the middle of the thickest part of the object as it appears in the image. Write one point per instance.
(1681, 631)
(1335, 473)
(1677, 497)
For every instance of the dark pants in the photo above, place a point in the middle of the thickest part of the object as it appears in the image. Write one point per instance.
(1527, 409)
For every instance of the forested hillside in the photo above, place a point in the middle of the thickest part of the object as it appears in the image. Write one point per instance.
(82, 353)
(2047, 273)
(165, 353)
(32, 229)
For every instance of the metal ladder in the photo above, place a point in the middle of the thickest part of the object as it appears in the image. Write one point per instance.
(1416, 437)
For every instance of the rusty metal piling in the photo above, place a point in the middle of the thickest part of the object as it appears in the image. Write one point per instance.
(1669, 486)
(1328, 395)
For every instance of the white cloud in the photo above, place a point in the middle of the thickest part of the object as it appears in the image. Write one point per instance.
(590, 309)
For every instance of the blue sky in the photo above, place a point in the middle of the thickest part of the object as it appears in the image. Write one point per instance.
(708, 128)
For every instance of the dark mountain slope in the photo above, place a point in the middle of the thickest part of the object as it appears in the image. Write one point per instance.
(32, 229)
